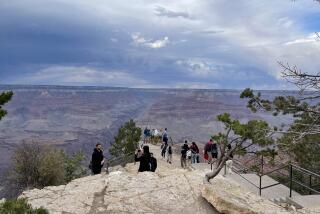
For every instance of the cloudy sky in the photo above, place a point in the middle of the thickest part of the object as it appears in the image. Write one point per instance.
(157, 43)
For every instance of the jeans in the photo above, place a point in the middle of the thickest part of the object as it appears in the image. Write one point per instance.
(195, 158)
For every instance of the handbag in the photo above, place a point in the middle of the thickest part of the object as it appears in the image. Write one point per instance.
(206, 156)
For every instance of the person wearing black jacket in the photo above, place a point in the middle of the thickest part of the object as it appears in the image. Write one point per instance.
(97, 159)
(144, 159)
(184, 150)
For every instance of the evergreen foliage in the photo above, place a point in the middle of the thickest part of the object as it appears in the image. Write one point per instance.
(302, 140)
(242, 137)
(126, 142)
(19, 206)
(4, 98)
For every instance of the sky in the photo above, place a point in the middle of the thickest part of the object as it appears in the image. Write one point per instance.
(157, 43)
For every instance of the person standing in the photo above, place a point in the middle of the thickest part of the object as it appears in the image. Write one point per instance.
(145, 134)
(165, 136)
(163, 149)
(211, 150)
(146, 159)
(169, 154)
(194, 153)
(214, 150)
(97, 159)
(184, 150)
(206, 151)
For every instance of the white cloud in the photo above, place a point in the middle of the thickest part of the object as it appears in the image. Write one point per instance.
(308, 39)
(150, 43)
(285, 22)
(198, 67)
(161, 11)
(72, 75)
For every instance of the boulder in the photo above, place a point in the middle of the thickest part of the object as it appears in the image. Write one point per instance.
(228, 196)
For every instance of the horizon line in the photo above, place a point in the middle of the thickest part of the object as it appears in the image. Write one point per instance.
(134, 88)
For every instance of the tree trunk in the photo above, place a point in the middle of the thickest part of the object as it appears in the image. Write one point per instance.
(215, 172)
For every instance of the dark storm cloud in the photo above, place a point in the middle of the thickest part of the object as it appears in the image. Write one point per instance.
(183, 43)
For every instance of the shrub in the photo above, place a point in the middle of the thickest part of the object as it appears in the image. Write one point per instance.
(19, 206)
(73, 166)
(36, 166)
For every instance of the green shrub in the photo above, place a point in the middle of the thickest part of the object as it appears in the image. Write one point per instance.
(19, 206)
(37, 165)
(73, 166)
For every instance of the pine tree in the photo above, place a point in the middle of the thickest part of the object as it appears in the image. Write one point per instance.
(126, 142)
(4, 98)
(242, 137)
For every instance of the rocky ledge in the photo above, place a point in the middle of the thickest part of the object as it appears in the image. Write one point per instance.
(169, 190)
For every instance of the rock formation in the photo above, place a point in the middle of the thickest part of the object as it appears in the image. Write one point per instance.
(169, 190)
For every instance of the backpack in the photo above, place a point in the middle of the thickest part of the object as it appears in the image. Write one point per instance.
(153, 164)
(214, 148)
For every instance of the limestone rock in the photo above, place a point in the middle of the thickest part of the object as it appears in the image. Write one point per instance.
(126, 191)
(228, 196)
(169, 190)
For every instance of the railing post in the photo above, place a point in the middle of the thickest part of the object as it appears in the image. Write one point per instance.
(260, 183)
(290, 195)
(310, 184)
(225, 169)
(261, 171)
(260, 176)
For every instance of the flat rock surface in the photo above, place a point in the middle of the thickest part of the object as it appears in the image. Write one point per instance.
(124, 192)
(169, 190)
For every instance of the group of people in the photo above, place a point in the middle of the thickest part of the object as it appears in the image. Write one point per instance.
(189, 152)
(142, 155)
(149, 163)
(210, 153)
(153, 135)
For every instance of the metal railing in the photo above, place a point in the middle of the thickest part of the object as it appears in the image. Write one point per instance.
(288, 167)
(304, 172)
